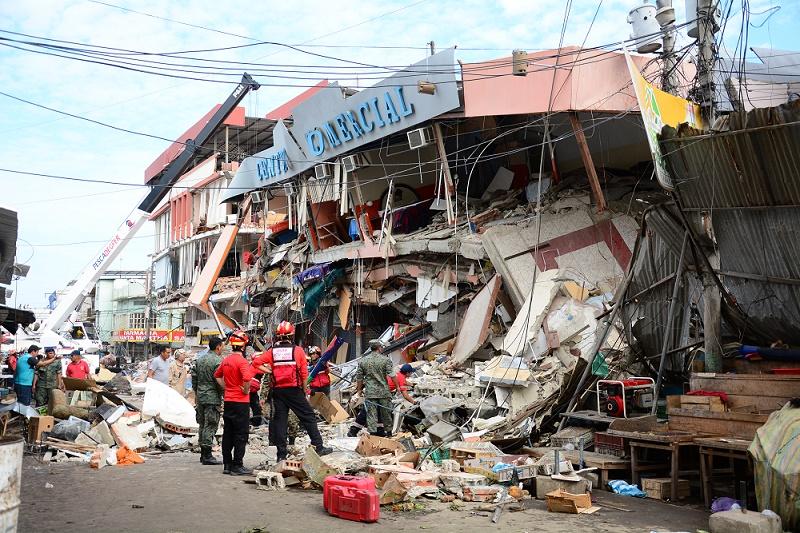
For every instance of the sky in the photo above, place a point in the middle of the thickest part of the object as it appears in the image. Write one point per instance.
(63, 223)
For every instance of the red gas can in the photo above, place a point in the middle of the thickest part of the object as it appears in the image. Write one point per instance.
(351, 498)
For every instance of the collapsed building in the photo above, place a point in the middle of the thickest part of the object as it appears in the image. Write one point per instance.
(431, 214)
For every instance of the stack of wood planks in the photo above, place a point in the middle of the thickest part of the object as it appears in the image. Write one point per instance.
(751, 398)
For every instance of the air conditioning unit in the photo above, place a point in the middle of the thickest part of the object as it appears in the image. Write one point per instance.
(257, 196)
(232, 218)
(288, 189)
(323, 170)
(419, 138)
(353, 162)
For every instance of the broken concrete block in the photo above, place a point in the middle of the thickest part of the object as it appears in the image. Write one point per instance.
(545, 484)
(269, 480)
(481, 493)
(128, 436)
(454, 482)
(744, 522)
(417, 479)
(450, 465)
(316, 468)
(443, 432)
(102, 433)
(86, 440)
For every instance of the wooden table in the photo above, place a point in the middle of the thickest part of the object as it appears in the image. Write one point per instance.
(710, 447)
(669, 441)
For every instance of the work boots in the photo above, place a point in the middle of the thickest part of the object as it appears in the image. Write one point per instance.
(240, 470)
(206, 458)
(323, 450)
(226, 468)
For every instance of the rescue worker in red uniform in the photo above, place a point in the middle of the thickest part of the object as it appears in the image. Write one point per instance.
(233, 375)
(286, 363)
(322, 381)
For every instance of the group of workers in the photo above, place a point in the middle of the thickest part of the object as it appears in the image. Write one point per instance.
(281, 375)
(229, 381)
(35, 376)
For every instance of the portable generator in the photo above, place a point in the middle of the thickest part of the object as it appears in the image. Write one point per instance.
(626, 397)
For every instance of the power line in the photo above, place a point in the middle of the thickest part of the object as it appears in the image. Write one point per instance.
(83, 242)
(198, 26)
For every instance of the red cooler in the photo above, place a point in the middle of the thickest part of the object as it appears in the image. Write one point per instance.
(351, 498)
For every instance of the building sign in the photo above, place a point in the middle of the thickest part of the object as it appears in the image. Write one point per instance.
(347, 127)
(661, 109)
(156, 335)
(330, 124)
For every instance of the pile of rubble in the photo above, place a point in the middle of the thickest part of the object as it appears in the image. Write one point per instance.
(405, 468)
(112, 424)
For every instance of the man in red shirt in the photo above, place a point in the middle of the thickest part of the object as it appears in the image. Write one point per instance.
(405, 371)
(234, 375)
(286, 364)
(322, 381)
(78, 368)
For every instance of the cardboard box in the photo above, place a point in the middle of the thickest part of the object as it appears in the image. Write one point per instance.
(561, 501)
(370, 446)
(330, 410)
(38, 425)
(659, 488)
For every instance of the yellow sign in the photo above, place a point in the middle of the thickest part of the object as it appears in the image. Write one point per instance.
(661, 109)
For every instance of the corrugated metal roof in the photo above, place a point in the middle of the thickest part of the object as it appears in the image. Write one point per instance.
(754, 164)
(650, 291)
(742, 176)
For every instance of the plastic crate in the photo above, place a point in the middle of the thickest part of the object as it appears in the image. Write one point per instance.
(610, 444)
(576, 436)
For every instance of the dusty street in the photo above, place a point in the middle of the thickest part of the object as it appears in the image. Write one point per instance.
(175, 494)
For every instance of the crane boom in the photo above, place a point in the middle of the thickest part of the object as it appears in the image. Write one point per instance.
(159, 189)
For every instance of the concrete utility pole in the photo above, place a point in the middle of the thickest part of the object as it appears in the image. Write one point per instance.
(666, 19)
(707, 26)
(148, 287)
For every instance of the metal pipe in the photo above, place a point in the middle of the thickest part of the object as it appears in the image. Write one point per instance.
(670, 320)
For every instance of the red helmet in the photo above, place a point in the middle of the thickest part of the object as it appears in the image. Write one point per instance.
(285, 328)
(238, 338)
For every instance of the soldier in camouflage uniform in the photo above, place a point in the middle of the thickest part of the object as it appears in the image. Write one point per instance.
(293, 422)
(371, 375)
(48, 377)
(208, 397)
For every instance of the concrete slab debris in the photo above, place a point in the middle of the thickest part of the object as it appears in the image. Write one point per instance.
(526, 325)
(474, 328)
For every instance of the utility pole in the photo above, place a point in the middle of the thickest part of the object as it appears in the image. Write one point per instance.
(666, 19)
(707, 26)
(705, 93)
(148, 287)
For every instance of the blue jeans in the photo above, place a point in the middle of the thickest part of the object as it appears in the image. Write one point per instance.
(24, 393)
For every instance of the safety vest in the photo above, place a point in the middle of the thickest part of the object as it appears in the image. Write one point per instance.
(285, 372)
